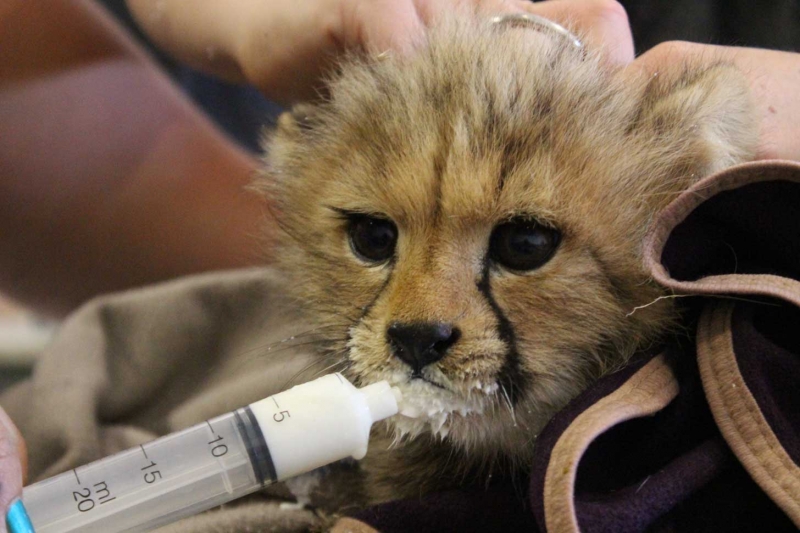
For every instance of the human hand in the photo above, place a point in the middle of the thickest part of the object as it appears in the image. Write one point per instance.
(774, 79)
(381, 25)
(13, 463)
(285, 48)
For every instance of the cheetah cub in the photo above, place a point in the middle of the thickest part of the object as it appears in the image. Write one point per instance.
(466, 223)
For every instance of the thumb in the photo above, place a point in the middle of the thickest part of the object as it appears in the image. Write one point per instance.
(382, 25)
(13, 463)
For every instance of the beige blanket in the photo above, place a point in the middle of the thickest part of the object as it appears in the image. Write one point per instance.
(130, 367)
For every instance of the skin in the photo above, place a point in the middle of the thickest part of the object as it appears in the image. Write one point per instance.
(13, 463)
(304, 42)
(166, 199)
(136, 186)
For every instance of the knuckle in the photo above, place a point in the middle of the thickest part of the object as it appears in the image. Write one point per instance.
(609, 11)
(671, 51)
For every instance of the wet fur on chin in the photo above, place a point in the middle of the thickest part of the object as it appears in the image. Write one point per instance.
(482, 125)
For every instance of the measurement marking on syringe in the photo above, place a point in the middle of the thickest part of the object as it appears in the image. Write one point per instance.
(340, 377)
(144, 452)
(75, 471)
(211, 428)
(276, 403)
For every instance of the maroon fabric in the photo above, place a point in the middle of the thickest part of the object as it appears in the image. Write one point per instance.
(473, 510)
(672, 471)
(754, 229)
(750, 230)
(766, 340)
(562, 420)
(639, 470)
(730, 503)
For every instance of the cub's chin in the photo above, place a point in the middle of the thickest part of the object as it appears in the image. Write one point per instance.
(432, 403)
(475, 416)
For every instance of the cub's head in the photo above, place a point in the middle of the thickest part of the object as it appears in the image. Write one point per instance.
(466, 222)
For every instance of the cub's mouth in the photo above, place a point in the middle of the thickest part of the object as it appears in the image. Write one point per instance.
(420, 377)
(434, 404)
(452, 385)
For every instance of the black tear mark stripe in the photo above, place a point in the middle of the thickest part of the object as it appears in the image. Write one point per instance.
(367, 308)
(618, 291)
(439, 167)
(512, 378)
(256, 446)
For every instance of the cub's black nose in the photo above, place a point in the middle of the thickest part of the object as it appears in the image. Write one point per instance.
(420, 344)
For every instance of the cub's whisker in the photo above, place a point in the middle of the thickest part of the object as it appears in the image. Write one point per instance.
(509, 404)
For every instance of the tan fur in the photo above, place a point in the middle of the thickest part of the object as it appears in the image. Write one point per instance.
(483, 124)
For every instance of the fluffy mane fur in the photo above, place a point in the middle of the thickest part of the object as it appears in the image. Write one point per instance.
(483, 125)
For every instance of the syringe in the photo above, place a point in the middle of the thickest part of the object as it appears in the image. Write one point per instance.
(214, 462)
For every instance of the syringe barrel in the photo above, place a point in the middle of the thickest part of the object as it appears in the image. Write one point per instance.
(214, 462)
(320, 422)
(142, 488)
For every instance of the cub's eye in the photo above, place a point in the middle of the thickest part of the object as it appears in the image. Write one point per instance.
(372, 239)
(523, 244)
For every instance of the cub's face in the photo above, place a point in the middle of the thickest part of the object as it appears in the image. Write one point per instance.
(466, 223)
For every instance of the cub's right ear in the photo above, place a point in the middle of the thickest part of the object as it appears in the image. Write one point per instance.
(301, 119)
(701, 115)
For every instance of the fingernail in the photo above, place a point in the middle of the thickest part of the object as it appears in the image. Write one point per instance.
(17, 520)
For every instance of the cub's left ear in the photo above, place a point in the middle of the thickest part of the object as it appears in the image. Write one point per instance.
(300, 119)
(702, 117)
(287, 145)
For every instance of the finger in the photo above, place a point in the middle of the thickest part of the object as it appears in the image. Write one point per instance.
(601, 25)
(12, 455)
(384, 25)
(430, 11)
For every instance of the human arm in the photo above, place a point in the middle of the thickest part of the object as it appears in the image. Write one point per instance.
(109, 177)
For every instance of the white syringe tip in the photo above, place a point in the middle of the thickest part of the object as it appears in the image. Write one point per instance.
(381, 399)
